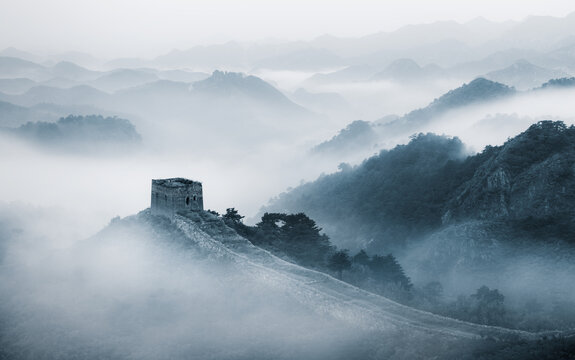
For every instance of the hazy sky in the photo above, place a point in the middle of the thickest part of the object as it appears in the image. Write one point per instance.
(147, 28)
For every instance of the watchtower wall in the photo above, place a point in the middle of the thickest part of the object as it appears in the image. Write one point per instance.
(170, 196)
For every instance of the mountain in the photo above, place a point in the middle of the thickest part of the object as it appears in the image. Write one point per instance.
(194, 275)
(160, 98)
(126, 63)
(239, 86)
(81, 133)
(399, 196)
(330, 103)
(183, 75)
(16, 86)
(76, 95)
(11, 67)
(354, 73)
(71, 71)
(529, 180)
(523, 75)
(13, 115)
(559, 83)
(123, 79)
(79, 58)
(310, 59)
(543, 32)
(478, 91)
(357, 136)
(16, 53)
(563, 57)
(407, 70)
(500, 59)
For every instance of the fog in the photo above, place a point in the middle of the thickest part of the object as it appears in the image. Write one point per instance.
(524, 271)
(134, 292)
(239, 96)
(148, 28)
(492, 124)
(100, 188)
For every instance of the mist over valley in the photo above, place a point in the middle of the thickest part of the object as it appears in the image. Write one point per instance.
(405, 192)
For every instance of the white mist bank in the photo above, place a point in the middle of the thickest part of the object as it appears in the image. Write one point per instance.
(102, 187)
(136, 292)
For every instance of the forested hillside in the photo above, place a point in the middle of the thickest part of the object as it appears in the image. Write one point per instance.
(400, 195)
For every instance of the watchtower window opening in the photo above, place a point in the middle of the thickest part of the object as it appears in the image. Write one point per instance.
(188, 200)
(195, 198)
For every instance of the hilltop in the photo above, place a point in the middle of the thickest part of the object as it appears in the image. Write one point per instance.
(80, 133)
(404, 193)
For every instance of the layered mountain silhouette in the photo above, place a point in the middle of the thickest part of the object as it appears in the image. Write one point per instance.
(193, 266)
(478, 91)
(407, 70)
(523, 75)
(403, 194)
(11, 67)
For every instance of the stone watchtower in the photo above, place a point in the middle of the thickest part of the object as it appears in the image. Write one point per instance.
(170, 196)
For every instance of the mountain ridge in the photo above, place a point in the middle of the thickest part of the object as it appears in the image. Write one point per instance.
(413, 189)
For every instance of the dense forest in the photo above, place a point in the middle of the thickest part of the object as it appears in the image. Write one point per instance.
(404, 193)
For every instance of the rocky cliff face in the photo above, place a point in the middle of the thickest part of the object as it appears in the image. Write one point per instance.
(405, 194)
(532, 176)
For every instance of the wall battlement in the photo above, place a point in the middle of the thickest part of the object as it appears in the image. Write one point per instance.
(170, 196)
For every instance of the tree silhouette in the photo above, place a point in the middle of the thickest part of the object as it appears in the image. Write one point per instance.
(338, 262)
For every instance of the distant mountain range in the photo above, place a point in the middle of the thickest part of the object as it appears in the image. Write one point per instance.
(230, 84)
(407, 70)
(368, 138)
(524, 76)
(544, 41)
(135, 84)
(207, 105)
(350, 74)
(11, 67)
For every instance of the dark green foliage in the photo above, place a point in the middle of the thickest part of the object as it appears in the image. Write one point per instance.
(560, 226)
(298, 238)
(429, 297)
(386, 269)
(80, 132)
(547, 348)
(396, 195)
(536, 144)
(233, 219)
(361, 258)
(559, 83)
(381, 275)
(295, 236)
(487, 307)
(479, 89)
(484, 307)
(339, 261)
(355, 135)
(224, 83)
(232, 215)
(402, 194)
